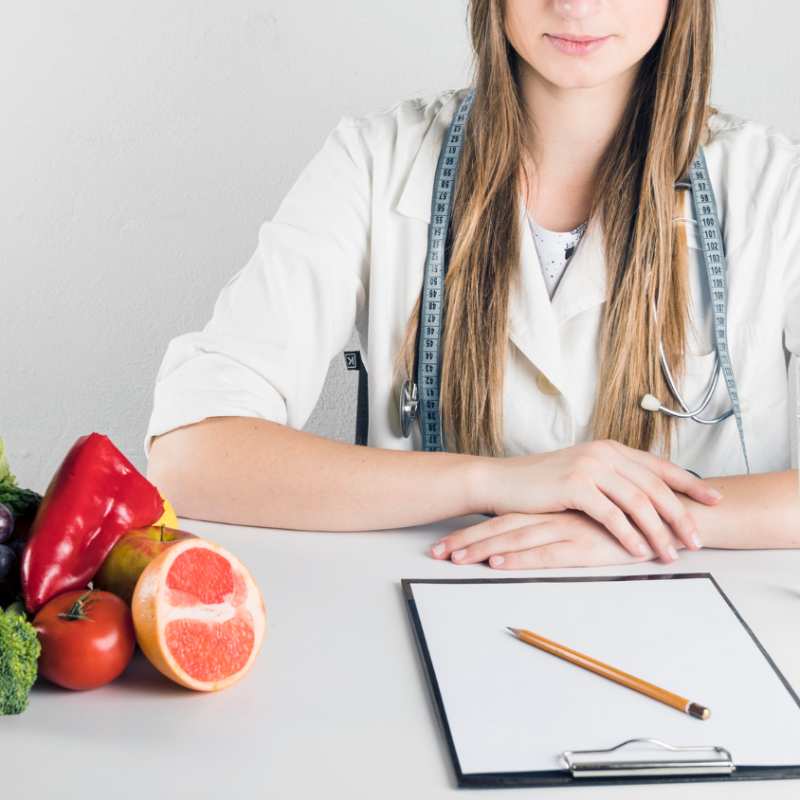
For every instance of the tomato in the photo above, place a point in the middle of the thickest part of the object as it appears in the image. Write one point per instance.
(87, 638)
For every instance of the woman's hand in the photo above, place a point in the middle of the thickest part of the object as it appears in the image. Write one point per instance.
(535, 541)
(631, 493)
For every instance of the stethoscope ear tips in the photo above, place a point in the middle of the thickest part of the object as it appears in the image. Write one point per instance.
(650, 403)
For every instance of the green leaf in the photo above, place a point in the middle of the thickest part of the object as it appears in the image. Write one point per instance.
(6, 476)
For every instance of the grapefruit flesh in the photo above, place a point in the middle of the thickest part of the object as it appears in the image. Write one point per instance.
(199, 616)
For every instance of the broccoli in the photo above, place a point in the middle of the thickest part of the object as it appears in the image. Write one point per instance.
(19, 652)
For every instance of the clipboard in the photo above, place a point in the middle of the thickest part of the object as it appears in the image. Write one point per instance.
(578, 758)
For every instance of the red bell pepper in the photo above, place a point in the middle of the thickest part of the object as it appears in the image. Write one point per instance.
(95, 496)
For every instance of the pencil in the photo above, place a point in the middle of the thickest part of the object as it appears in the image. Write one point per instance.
(612, 673)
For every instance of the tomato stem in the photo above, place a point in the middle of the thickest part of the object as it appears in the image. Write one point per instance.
(78, 609)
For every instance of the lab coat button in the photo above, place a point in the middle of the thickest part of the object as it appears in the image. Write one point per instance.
(545, 386)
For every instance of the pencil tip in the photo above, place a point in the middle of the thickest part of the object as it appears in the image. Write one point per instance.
(512, 631)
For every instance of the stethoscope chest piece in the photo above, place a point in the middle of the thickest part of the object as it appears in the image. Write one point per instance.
(409, 405)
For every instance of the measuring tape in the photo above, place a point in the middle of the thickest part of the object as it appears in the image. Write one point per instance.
(705, 211)
(421, 397)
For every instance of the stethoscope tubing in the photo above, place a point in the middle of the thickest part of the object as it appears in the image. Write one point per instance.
(711, 385)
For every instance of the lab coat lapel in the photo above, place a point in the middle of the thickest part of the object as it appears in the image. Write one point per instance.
(584, 283)
(534, 320)
(416, 190)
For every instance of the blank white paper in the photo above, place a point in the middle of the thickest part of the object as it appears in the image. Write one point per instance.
(512, 707)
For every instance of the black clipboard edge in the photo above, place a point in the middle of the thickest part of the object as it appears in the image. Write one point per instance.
(542, 778)
(758, 644)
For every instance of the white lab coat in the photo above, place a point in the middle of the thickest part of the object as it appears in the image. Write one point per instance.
(347, 246)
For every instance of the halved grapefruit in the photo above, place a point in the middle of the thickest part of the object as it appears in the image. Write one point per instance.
(199, 616)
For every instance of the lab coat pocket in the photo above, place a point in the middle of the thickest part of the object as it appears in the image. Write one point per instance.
(760, 370)
(763, 387)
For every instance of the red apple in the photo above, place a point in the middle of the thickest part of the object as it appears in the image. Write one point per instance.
(131, 554)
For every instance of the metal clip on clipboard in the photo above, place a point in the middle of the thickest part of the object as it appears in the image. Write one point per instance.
(694, 760)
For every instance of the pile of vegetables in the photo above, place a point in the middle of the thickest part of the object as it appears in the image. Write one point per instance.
(51, 547)
(72, 564)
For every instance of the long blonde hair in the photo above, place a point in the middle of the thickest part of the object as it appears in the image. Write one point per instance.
(635, 200)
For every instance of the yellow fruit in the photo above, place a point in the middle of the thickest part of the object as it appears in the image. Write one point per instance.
(169, 518)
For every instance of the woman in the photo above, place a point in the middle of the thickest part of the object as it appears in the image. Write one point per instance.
(544, 358)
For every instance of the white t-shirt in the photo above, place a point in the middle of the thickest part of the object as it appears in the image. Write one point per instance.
(555, 248)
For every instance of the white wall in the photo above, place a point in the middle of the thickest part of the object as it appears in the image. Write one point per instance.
(142, 143)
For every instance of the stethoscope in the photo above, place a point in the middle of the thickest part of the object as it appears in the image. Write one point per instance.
(650, 402)
(409, 403)
(424, 406)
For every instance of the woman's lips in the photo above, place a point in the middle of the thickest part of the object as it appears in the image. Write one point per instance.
(576, 46)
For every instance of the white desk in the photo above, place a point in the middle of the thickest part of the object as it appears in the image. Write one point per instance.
(336, 704)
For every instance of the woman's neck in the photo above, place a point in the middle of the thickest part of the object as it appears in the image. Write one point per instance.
(569, 130)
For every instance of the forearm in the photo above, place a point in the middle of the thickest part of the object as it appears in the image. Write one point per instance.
(250, 471)
(756, 511)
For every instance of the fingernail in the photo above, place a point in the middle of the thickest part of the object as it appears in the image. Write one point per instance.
(437, 549)
(673, 553)
(641, 549)
(496, 561)
(715, 493)
(696, 540)
(458, 555)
